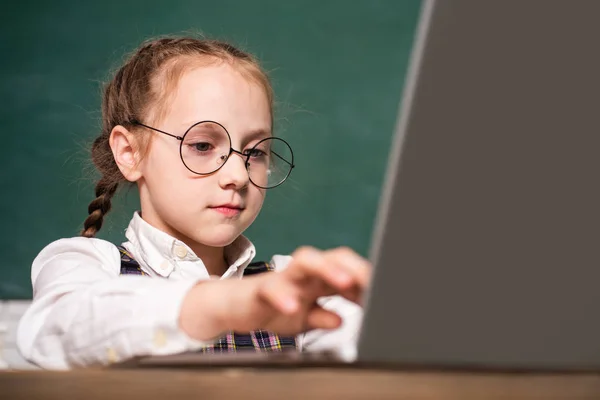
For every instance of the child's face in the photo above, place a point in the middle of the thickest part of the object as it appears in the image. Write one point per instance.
(184, 204)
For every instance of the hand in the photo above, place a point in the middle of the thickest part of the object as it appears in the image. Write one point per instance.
(284, 302)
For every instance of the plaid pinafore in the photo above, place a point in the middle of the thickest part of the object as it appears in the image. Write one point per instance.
(231, 342)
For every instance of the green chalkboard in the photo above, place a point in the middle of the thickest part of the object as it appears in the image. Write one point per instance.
(337, 66)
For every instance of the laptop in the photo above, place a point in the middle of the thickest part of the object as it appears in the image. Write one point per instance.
(486, 249)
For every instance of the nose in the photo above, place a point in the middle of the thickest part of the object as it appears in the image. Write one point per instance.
(234, 175)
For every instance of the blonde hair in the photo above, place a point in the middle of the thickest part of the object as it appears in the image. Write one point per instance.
(141, 88)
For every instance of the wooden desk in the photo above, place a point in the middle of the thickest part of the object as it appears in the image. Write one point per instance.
(292, 383)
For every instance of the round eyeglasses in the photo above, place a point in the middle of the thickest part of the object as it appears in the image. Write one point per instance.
(206, 146)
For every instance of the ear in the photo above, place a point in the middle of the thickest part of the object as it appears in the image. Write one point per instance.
(126, 152)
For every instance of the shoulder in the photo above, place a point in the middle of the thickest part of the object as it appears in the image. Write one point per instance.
(77, 252)
(79, 246)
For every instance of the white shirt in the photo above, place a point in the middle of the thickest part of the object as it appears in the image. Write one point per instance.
(85, 313)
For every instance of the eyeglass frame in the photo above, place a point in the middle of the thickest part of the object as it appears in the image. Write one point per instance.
(231, 150)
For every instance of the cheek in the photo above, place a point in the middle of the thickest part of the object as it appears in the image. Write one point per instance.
(256, 198)
(166, 176)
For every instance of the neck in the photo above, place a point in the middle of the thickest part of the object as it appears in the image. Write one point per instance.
(212, 257)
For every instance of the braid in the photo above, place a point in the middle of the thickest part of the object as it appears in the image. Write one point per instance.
(99, 207)
(105, 188)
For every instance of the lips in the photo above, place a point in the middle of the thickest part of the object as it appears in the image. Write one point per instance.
(229, 205)
(228, 209)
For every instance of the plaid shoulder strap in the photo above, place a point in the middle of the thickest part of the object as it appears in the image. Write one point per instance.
(128, 265)
(256, 340)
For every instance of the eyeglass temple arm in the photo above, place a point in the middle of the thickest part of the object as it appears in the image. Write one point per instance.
(157, 130)
(284, 160)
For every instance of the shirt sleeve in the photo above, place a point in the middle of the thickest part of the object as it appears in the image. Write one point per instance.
(342, 341)
(85, 313)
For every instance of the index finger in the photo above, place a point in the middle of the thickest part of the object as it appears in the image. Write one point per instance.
(337, 268)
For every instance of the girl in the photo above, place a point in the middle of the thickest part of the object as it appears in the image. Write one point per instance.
(189, 122)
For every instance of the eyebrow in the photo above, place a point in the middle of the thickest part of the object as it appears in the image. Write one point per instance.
(249, 136)
(257, 133)
(253, 134)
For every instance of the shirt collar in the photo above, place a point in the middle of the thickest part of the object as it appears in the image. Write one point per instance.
(161, 252)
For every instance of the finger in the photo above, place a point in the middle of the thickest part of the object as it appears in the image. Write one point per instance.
(344, 261)
(353, 264)
(280, 294)
(354, 294)
(308, 262)
(312, 289)
(319, 318)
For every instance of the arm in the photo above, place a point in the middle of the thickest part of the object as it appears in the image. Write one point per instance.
(288, 302)
(83, 313)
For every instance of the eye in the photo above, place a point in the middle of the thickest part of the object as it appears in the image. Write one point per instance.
(202, 146)
(254, 153)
